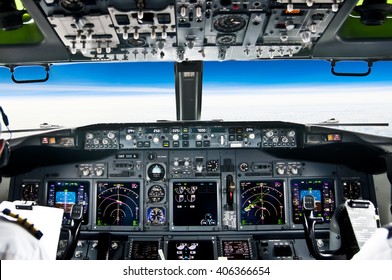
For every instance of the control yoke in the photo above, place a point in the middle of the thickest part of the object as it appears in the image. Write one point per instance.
(352, 224)
(309, 222)
(73, 231)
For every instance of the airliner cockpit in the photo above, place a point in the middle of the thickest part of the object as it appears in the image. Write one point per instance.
(195, 175)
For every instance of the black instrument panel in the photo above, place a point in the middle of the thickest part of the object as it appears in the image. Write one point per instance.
(236, 197)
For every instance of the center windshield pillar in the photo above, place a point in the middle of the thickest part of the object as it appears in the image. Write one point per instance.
(188, 79)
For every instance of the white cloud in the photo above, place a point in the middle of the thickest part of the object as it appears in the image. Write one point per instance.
(310, 104)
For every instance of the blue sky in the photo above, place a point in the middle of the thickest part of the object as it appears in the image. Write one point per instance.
(253, 73)
(271, 90)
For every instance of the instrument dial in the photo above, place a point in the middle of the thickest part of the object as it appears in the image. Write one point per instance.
(30, 192)
(352, 189)
(156, 216)
(156, 193)
(229, 23)
(156, 172)
(212, 165)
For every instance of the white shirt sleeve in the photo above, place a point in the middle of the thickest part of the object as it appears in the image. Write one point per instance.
(378, 247)
(16, 243)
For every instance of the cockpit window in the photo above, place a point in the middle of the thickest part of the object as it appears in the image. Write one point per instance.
(17, 27)
(369, 20)
(296, 91)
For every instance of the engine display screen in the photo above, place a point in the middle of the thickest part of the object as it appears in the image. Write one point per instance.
(195, 204)
(236, 249)
(323, 192)
(190, 250)
(66, 194)
(144, 250)
(118, 204)
(262, 202)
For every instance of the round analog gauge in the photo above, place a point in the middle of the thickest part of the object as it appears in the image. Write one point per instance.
(352, 189)
(156, 216)
(156, 193)
(212, 165)
(30, 192)
(229, 23)
(156, 172)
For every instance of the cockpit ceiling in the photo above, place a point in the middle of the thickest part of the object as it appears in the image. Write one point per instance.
(146, 30)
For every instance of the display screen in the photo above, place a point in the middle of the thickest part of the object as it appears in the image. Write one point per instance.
(65, 194)
(195, 204)
(236, 249)
(323, 192)
(118, 204)
(144, 250)
(262, 202)
(190, 250)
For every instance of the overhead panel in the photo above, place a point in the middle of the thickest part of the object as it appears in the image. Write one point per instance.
(187, 30)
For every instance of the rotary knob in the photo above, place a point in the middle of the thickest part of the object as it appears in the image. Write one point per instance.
(111, 135)
(243, 166)
(176, 137)
(99, 171)
(86, 171)
(280, 169)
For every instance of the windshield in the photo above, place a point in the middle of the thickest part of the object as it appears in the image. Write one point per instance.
(277, 90)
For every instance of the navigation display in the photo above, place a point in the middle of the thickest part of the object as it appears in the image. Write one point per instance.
(64, 195)
(118, 204)
(236, 249)
(323, 192)
(195, 204)
(262, 202)
(190, 250)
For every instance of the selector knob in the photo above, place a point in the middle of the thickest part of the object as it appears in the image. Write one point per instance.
(199, 137)
(199, 168)
(243, 167)
(269, 133)
(128, 137)
(176, 137)
(252, 136)
(96, 141)
(280, 169)
(186, 163)
(155, 140)
(291, 133)
(176, 163)
(294, 170)
(105, 141)
(89, 135)
(99, 171)
(86, 171)
(111, 135)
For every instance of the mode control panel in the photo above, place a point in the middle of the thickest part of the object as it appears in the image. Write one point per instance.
(208, 136)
